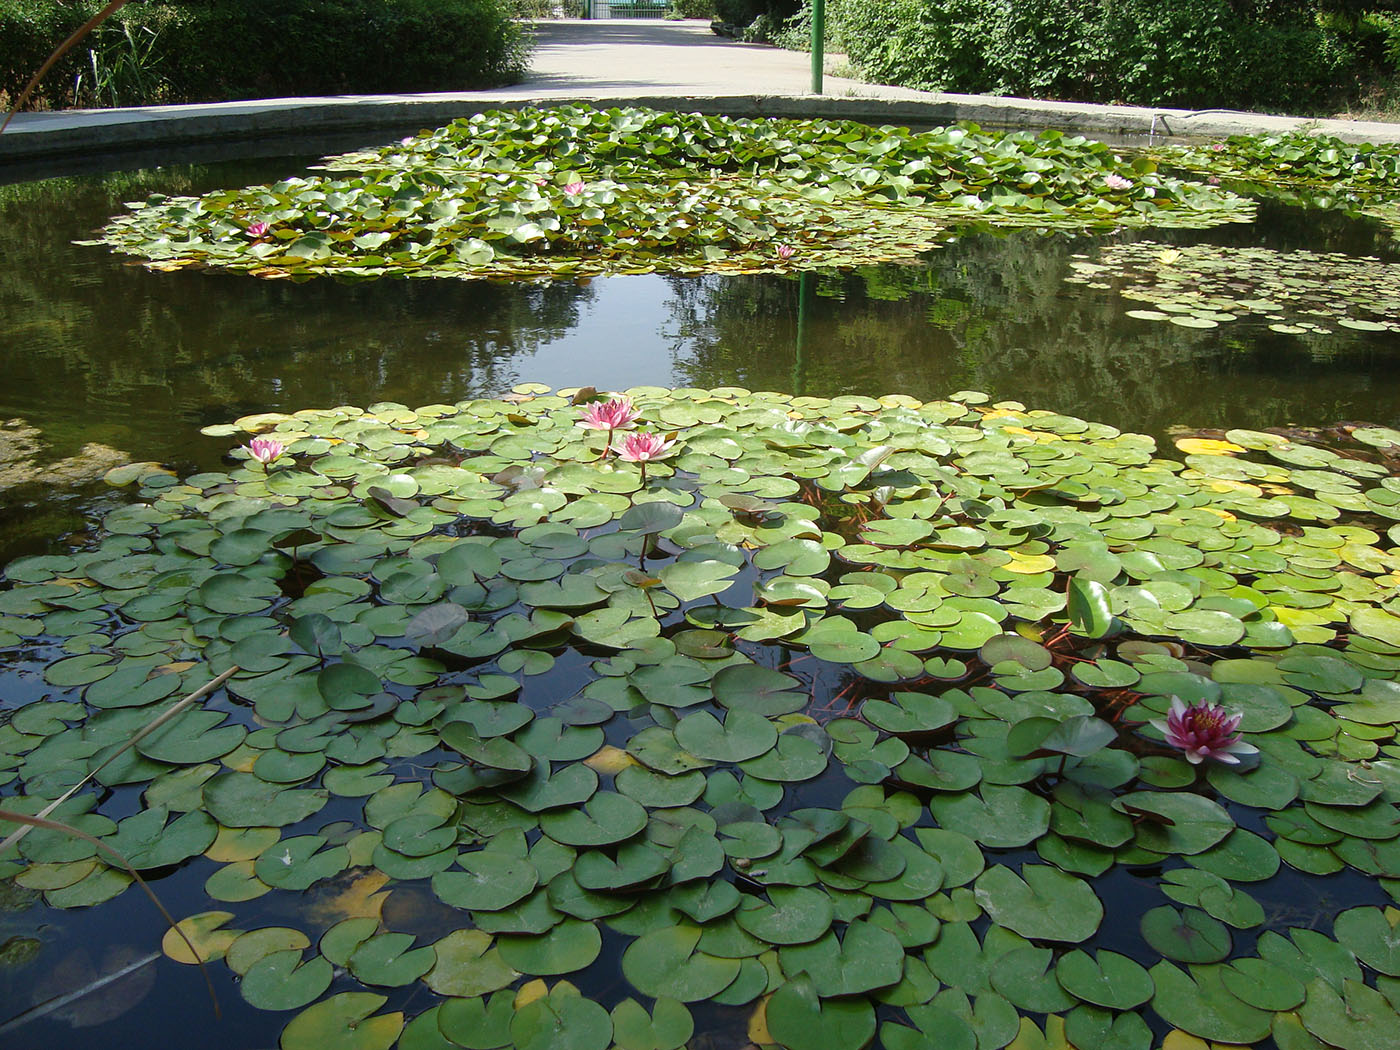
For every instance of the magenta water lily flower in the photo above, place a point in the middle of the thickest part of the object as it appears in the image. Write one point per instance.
(1204, 730)
(786, 251)
(644, 448)
(1115, 181)
(617, 414)
(257, 229)
(265, 450)
(573, 189)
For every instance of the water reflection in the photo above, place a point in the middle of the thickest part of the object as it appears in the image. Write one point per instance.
(994, 314)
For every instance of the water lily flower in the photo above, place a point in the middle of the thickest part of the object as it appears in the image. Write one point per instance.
(573, 189)
(265, 450)
(617, 414)
(643, 448)
(1219, 147)
(1204, 730)
(257, 229)
(786, 251)
(1114, 181)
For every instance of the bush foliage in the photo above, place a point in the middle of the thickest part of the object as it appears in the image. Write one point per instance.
(1261, 54)
(744, 12)
(208, 50)
(691, 9)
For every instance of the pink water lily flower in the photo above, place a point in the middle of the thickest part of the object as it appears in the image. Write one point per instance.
(643, 448)
(786, 251)
(265, 450)
(257, 229)
(617, 414)
(1204, 730)
(573, 189)
(1115, 181)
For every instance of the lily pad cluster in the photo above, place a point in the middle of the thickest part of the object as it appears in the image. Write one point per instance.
(1361, 178)
(834, 728)
(1295, 159)
(1203, 285)
(571, 192)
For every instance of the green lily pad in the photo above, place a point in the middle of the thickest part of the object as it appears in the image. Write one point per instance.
(390, 960)
(665, 963)
(1355, 1017)
(742, 735)
(491, 881)
(1186, 935)
(281, 980)
(466, 964)
(668, 1027)
(563, 1020)
(801, 1020)
(345, 1020)
(795, 916)
(571, 945)
(605, 818)
(865, 958)
(1107, 979)
(1176, 822)
(477, 1023)
(1371, 936)
(1043, 904)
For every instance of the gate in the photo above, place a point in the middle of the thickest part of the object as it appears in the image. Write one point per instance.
(627, 8)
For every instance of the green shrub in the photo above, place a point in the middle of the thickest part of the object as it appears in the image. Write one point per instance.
(264, 48)
(745, 12)
(691, 9)
(532, 8)
(208, 50)
(1266, 54)
(929, 44)
(1045, 48)
(1206, 53)
(29, 31)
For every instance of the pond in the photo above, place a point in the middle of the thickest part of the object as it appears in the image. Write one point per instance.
(99, 352)
(884, 764)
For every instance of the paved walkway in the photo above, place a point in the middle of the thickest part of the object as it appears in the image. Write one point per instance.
(664, 64)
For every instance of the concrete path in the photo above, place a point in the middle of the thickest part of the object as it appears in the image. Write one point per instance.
(671, 65)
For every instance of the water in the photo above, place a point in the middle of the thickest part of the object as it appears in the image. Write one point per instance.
(97, 350)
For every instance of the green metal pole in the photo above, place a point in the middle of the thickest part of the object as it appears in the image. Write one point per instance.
(818, 43)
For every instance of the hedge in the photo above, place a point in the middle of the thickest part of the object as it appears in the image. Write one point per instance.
(211, 50)
(1260, 54)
